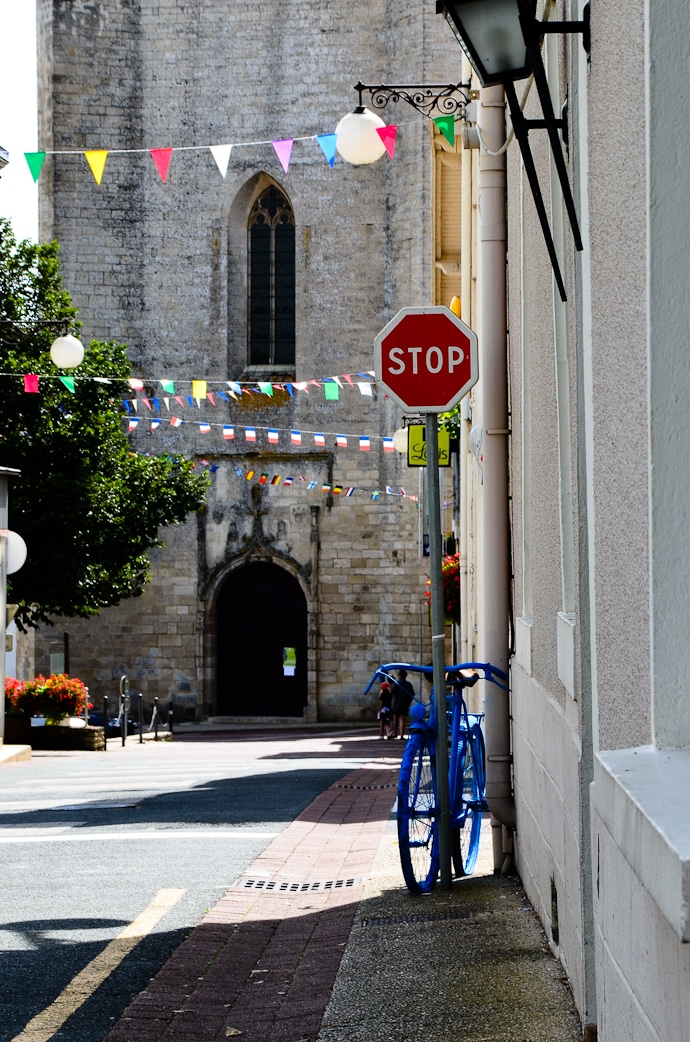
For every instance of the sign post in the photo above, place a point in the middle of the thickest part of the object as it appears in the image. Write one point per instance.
(426, 358)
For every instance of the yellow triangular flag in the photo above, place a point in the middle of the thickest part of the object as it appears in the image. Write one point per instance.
(96, 160)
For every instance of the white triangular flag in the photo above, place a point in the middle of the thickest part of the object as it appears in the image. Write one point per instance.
(221, 154)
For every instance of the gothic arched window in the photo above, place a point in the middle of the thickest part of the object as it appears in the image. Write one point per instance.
(271, 257)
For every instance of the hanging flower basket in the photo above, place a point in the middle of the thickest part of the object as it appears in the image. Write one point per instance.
(450, 577)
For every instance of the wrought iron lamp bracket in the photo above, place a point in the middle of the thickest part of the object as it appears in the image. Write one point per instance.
(446, 99)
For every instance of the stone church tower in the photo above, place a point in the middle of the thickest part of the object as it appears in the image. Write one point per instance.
(257, 283)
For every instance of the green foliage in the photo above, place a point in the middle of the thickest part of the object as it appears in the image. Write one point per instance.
(87, 507)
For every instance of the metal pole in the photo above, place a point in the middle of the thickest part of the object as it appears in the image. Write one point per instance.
(437, 647)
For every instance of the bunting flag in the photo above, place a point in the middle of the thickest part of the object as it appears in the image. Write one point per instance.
(320, 440)
(287, 481)
(168, 386)
(364, 443)
(205, 428)
(198, 389)
(161, 157)
(133, 423)
(283, 150)
(272, 436)
(96, 159)
(136, 385)
(341, 441)
(155, 424)
(446, 124)
(228, 432)
(263, 480)
(325, 488)
(349, 490)
(35, 163)
(388, 445)
(250, 434)
(249, 475)
(337, 489)
(221, 154)
(68, 381)
(388, 135)
(175, 421)
(311, 485)
(327, 143)
(275, 480)
(365, 389)
(331, 391)
(31, 383)
(296, 437)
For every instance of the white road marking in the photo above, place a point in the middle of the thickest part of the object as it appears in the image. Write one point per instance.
(169, 834)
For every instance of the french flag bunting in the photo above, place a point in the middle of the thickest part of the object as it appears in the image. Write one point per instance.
(155, 424)
(175, 421)
(364, 443)
(341, 441)
(319, 439)
(250, 434)
(228, 432)
(349, 490)
(388, 445)
(272, 436)
(296, 437)
(133, 421)
(287, 481)
(204, 428)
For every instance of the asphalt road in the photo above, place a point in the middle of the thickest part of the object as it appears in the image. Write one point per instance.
(91, 841)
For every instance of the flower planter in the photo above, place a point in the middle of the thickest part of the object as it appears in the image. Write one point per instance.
(17, 729)
(52, 737)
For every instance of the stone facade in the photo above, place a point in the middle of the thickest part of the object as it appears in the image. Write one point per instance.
(163, 268)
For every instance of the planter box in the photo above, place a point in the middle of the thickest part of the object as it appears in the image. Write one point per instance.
(17, 729)
(53, 737)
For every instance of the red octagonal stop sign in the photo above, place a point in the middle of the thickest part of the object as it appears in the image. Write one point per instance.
(426, 358)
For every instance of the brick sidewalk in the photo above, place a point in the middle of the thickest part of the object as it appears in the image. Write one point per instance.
(262, 963)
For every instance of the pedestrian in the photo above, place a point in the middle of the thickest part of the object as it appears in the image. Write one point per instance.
(384, 715)
(403, 696)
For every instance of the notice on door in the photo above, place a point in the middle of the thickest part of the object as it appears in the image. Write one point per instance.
(289, 662)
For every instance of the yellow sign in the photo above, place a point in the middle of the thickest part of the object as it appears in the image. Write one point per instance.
(416, 446)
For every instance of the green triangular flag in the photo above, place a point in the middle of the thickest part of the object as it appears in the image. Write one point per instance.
(446, 124)
(35, 161)
(266, 388)
(168, 386)
(68, 381)
(331, 391)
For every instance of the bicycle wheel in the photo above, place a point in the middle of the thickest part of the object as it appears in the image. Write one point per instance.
(467, 817)
(417, 815)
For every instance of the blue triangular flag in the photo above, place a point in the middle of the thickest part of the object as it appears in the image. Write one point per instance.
(327, 142)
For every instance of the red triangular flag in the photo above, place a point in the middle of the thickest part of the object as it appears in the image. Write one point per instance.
(387, 135)
(161, 157)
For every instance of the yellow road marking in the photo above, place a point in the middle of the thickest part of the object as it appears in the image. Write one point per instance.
(45, 1024)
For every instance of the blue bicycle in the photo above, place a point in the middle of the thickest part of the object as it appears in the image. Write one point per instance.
(417, 792)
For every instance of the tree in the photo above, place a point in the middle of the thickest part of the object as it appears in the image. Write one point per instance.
(87, 507)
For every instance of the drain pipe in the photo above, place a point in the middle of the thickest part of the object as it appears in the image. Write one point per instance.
(494, 549)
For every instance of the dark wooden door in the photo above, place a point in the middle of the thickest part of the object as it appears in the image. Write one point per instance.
(260, 611)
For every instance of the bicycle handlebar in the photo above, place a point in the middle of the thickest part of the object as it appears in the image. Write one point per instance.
(490, 672)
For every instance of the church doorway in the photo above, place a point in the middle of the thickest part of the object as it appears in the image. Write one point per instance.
(261, 620)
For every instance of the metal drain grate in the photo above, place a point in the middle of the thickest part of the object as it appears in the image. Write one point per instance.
(278, 886)
(364, 788)
(432, 917)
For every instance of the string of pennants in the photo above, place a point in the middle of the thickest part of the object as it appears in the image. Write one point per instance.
(273, 434)
(97, 157)
(233, 389)
(306, 484)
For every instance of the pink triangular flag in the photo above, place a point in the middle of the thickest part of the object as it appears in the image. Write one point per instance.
(388, 135)
(284, 151)
(161, 157)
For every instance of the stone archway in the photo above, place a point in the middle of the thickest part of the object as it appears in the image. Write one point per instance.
(261, 610)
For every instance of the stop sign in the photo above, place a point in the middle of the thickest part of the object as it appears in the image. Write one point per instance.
(426, 358)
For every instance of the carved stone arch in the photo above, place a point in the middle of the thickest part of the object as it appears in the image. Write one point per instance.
(238, 258)
(259, 608)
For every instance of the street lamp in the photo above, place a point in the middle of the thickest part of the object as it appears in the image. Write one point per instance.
(502, 39)
(357, 140)
(67, 352)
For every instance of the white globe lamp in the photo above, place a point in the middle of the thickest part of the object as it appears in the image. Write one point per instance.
(356, 138)
(67, 352)
(400, 440)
